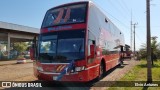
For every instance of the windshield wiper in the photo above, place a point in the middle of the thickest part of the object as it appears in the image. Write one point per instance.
(80, 48)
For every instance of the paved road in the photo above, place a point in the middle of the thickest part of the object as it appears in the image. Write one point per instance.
(115, 74)
(24, 72)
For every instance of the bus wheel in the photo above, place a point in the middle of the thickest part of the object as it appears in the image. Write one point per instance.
(101, 70)
(120, 62)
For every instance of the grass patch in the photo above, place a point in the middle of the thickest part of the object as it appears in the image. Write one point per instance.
(139, 73)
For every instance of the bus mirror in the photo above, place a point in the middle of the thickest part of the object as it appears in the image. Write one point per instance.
(32, 54)
(92, 50)
(33, 49)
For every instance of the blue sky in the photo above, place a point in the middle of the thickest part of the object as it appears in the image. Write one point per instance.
(31, 13)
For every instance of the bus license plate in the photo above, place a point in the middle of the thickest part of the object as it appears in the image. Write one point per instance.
(54, 77)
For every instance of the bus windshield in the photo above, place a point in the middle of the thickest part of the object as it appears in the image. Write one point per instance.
(65, 15)
(60, 49)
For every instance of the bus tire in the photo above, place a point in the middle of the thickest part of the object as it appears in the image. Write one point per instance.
(101, 70)
(120, 62)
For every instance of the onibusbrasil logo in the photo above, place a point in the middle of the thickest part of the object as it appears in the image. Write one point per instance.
(20, 84)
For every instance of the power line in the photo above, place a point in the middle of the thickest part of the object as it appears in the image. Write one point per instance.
(151, 26)
(125, 5)
(139, 39)
(113, 17)
(118, 9)
(127, 9)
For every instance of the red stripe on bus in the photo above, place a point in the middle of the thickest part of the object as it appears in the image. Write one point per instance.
(73, 27)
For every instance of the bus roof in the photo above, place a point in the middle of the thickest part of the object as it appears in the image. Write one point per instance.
(71, 3)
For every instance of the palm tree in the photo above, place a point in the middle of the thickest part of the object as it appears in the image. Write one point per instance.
(155, 51)
(155, 48)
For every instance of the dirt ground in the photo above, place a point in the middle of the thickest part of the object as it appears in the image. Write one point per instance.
(16, 72)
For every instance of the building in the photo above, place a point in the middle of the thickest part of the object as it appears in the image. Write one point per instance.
(11, 33)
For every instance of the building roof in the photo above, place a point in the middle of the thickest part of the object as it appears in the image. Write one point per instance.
(15, 27)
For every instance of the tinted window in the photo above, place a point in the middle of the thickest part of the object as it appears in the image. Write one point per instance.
(65, 15)
(62, 46)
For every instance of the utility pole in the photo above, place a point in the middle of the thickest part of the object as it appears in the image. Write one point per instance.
(149, 65)
(134, 25)
(131, 31)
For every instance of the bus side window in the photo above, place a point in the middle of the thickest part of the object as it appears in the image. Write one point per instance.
(122, 49)
(91, 41)
(91, 49)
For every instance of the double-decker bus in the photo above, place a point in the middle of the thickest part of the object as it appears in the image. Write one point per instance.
(77, 42)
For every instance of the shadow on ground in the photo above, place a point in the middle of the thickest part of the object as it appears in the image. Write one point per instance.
(67, 85)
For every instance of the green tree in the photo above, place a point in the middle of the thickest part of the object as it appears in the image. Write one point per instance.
(20, 46)
(155, 48)
(143, 51)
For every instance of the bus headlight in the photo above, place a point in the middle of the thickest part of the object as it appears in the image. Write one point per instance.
(39, 68)
(77, 69)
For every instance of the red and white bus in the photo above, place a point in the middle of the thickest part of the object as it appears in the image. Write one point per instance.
(77, 42)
